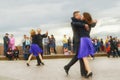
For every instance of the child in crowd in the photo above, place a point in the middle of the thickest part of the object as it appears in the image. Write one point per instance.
(26, 52)
(16, 53)
(10, 54)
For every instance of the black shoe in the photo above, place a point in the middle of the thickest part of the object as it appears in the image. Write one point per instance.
(89, 75)
(66, 69)
(84, 76)
(38, 65)
(27, 64)
(42, 63)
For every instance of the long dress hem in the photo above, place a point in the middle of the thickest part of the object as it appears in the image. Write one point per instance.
(85, 47)
(35, 50)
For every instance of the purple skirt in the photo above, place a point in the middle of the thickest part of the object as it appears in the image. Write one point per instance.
(35, 50)
(85, 48)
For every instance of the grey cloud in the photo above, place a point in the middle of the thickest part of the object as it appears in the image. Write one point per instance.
(20, 16)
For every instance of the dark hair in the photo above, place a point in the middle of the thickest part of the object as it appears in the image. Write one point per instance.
(16, 47)
(27, 46)
(87, 17)
(75, 12)
(111, 37)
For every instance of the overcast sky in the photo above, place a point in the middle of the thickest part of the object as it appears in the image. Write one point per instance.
(19, 16)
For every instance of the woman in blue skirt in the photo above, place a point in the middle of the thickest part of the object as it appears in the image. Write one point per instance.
(86, 47)
(34, 48)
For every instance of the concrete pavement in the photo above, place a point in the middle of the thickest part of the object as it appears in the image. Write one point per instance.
(103, 68)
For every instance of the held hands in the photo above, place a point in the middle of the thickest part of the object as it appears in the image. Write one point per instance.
(47, 33)
(95, 21)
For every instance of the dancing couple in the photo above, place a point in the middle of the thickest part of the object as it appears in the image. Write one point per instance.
(81, 26)
(36, 48)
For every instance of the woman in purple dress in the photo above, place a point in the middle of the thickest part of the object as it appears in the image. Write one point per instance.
(86, 47)
(34, 48)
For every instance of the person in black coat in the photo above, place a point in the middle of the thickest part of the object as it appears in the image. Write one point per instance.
(6, 43)
(76, 24)
(40, 44)
(114, 48)
(35, 50)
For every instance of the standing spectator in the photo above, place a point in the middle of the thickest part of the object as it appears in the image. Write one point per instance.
(52, 45)
(98, 45)
(119, 46)
(16, 53)
(102, 45)
(26, 52)
(45, 42)
(12, 42)
(6, 43)
(114, 49)
(27, 41)
(52, 36)
(23, 42)
(48, 45)
(65, 44)
(69, 44)
(107, 43)
(116, 46)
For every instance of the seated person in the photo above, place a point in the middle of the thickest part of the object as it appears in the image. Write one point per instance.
(10, 54)
(16, 53)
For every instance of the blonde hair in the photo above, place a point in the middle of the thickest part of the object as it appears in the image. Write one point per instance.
(32, 32)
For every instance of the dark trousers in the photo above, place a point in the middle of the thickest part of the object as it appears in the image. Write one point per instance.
(10, 56)
(109, 53)
(48, 49)
(75, 59)
(114, 51)
(37, 57)
(16, 55)
(5, 50)
(82, 66)
(55, 51)
(26, 56)
(38, 60)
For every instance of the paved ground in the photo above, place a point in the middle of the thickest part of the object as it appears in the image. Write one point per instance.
(103, 69)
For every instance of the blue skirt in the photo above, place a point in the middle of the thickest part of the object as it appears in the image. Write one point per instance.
(86, 47)
(35, 50)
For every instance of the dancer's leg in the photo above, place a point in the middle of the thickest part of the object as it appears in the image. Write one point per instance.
(29, 58)
(74, 59)
(38, 60)
(40, 57)
(86, 62)
(82, 68)
(72, 62)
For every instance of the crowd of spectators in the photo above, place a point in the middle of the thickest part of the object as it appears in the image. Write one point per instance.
(110, 45)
